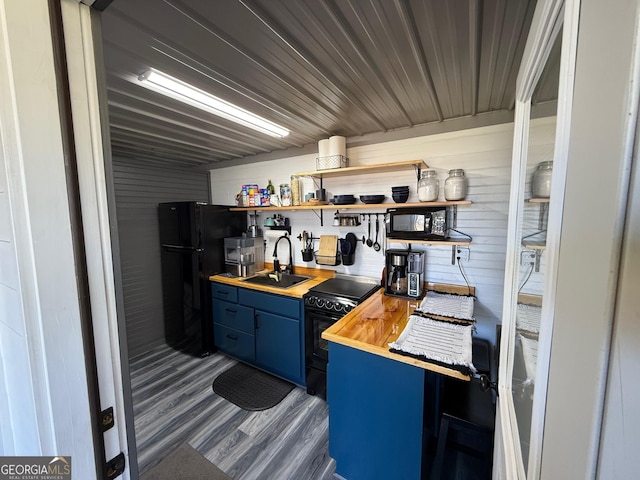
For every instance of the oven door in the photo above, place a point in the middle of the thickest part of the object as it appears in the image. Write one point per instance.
(316, 322)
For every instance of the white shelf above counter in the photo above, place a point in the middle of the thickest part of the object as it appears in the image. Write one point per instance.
(362, 169)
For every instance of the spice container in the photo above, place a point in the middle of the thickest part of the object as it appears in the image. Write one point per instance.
(428, 186)
(285, 195)
(541, 182)
(455, 186)
(295, 190)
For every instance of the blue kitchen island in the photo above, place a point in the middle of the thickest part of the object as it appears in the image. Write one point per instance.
(383, 407)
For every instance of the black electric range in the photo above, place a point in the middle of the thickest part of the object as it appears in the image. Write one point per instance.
(324, 305)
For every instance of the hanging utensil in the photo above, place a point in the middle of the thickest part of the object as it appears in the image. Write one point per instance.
(376, 245)
(369, 241)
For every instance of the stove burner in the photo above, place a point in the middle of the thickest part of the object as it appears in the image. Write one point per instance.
(347, 287)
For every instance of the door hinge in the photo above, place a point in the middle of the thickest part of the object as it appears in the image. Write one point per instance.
(115, 466)
(106, 419)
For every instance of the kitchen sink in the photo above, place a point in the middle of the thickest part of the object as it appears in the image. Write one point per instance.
(284, 281)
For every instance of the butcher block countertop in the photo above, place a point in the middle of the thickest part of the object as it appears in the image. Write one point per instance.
(318, 275)
(378, 321)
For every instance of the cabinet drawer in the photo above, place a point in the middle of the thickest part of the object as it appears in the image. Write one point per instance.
(235, 343)
(224, 292)
(268, 302)
(233, 315)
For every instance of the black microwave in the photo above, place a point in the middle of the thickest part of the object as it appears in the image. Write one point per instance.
(417, 223)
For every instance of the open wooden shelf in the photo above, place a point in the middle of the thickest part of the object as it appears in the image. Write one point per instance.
(359, 206)
(361, 169)
(539, 200)
(534, 244)
(450, 241)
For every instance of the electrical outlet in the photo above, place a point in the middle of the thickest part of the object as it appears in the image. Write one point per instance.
(462, 254)
(527, 258)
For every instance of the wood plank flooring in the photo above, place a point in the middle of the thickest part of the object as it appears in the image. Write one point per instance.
(174, 403)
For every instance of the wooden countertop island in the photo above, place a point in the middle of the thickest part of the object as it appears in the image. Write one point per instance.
(375, 323)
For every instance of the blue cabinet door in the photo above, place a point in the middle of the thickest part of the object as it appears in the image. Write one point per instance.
(224, 292)
(235, 343)
(376, 415)
(278, 345)
(233, 315)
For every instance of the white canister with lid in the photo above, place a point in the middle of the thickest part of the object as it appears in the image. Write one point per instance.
(428, 186)
(541, 183)
(455, 186)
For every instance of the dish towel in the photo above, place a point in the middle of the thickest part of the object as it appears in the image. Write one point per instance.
(442, 343)
(528, 318)
(447, 305)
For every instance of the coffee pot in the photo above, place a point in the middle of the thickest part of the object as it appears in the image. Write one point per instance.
(396, 272)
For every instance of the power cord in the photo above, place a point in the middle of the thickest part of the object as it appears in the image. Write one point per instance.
(464, 275)
(526, 279)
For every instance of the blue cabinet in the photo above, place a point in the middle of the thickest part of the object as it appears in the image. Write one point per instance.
(238, 344)
(376, 415)
(278, 345)
(263, 329)
(234, 316)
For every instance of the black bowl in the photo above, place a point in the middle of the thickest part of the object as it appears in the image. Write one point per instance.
(400, 198)
(372, 198)
(400, 189)
(342, 201)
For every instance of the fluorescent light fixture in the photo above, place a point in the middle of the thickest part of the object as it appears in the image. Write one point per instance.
(179, 90)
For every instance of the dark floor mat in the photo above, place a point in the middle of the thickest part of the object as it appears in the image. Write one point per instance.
(250, 388)
(185, 463)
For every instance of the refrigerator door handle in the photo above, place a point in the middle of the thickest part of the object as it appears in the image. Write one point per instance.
(180, 248)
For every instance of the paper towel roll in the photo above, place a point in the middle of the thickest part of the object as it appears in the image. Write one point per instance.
(338, 145)
(323, 148)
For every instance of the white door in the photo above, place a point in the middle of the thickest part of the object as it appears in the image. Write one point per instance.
(83, 40)
(533, 242)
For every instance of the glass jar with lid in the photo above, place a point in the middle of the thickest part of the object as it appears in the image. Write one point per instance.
(455, 186)
(295, 190)
(541, 183)
(428, 186)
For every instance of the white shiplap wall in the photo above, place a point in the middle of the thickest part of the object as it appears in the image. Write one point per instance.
(484, 154)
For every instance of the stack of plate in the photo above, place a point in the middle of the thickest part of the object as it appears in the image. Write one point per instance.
(372, 198)
(343, 200)
(400, 194)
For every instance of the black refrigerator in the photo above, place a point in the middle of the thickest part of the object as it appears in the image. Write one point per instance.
(192, 249)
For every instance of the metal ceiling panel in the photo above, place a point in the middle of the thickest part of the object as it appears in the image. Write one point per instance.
(316, 67)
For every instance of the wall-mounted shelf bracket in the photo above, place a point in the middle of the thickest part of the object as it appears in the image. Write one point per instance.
(544, 208)
(416, 167)
(537, 264)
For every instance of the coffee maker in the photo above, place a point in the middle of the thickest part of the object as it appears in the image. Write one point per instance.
(415, 269)
(404, 273)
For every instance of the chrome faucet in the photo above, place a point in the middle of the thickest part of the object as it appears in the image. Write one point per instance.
(276, 263)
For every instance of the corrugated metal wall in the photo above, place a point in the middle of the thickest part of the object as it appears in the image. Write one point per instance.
(138, 190)
(484, 154)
